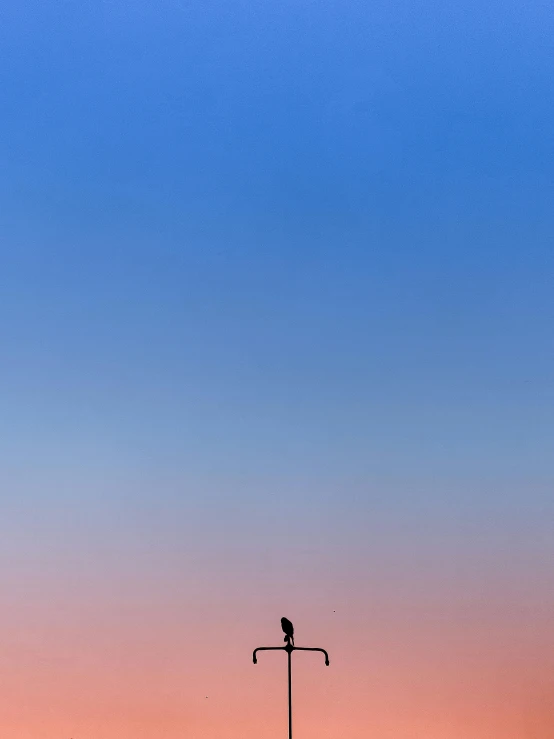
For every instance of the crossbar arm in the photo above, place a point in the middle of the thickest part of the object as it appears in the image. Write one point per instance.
(314, 649)
(266, 649)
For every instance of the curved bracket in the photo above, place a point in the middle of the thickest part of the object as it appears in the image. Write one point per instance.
(314, 649)
(266, 649)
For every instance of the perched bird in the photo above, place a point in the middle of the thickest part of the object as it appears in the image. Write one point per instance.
(288, 628)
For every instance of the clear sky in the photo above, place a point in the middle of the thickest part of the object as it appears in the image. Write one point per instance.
(276, 335)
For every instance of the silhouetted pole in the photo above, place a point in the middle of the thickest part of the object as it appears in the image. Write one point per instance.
(289, 649)
(289, 660)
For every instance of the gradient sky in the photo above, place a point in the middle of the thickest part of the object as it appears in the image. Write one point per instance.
(277, 338)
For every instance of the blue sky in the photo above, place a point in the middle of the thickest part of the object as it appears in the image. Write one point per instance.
(299, 239)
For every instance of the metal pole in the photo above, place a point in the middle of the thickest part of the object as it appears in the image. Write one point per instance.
(289, 654)
(289, 649)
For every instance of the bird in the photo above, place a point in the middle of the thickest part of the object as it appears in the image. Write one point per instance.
(288, 628)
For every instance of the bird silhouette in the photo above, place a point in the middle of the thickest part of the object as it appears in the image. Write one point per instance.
(288, 628)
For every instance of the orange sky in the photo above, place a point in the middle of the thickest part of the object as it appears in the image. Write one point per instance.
(125, 668)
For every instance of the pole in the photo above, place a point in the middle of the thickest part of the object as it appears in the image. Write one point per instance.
(289, 653)
(289, 649)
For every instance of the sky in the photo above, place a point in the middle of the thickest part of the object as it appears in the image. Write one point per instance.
(276, 339)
